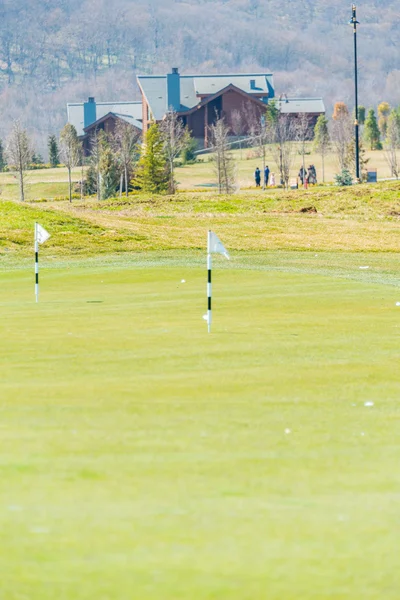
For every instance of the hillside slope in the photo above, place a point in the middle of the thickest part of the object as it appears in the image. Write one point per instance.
(54, 52)
(365, 218)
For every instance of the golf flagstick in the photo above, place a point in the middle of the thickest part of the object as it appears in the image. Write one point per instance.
(41, 236)
(214, 244)
(209, 284)
(36, 265)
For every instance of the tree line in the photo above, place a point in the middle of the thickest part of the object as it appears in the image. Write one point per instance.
(57, 51)
(118, 163)
(282, 138)
(379, 131)
(122, 162)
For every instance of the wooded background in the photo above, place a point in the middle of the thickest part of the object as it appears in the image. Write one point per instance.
(59, 51)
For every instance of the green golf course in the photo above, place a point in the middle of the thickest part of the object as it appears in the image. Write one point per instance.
(145, 458)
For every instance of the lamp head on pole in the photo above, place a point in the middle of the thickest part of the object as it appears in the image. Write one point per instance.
(353, 21)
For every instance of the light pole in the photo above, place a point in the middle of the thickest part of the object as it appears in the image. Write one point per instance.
(354, 22)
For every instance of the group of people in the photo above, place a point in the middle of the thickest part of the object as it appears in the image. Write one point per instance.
(308, 177)
(269, 178)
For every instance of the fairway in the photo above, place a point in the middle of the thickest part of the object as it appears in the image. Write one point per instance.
(143, 458)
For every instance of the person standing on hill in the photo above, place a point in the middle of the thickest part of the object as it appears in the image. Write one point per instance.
(257, 177)
(312, 175)
(266, 176)
(302, 174)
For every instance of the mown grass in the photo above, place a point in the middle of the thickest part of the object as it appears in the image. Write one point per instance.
(142, 458)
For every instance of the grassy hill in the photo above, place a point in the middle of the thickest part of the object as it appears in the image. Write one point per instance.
(354, 219)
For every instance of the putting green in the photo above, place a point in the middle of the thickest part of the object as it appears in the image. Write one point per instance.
(142, 458)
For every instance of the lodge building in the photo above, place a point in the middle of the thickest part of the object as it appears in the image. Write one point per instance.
(197, 99)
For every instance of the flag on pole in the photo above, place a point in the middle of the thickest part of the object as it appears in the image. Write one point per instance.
(41, 236)
(214, 245)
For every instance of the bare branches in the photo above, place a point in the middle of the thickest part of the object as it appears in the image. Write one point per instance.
(303, 135)
(51, 52)
(238, 122)
(223, 162)
(260, 136)
(238, 126)
(70, 150)
(125, 144)
(19, 152)
(322, 140)
(174, 140)
(282, 134)
(94, 168)
(392, 144)
(342, 135)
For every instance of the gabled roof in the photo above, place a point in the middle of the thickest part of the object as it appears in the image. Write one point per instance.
(229, 87)
(129, 119)
(192, 87)
(132, 110)
(205, 84)
(301, 105)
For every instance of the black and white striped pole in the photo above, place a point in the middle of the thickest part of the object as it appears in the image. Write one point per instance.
(36, 264)
(215, 245)
(41, 235)
(209, 282)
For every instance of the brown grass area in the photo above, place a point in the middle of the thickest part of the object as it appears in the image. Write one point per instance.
(361, 218)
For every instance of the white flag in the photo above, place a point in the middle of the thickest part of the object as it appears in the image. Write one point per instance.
(41, 234)
(216, 245)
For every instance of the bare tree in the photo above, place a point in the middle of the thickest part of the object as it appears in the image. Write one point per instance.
(19, 154)
(82, 161)
(322, 140)
(252, 115)
(392, 143)
(282, 134)
(174, 140)
(342, 135)
(238, 126)
(125, 142)
(51, 50)
(260, 136)
(71, 151)
(223, 162)
(302, 128)
(95, 158)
